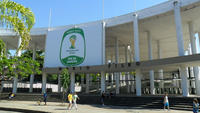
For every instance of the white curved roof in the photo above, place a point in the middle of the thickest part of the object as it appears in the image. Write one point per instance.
(158, 20)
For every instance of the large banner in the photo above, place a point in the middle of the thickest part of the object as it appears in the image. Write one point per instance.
(74, 46)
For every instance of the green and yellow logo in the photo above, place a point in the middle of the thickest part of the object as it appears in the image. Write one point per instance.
(73, 47)
(72, 40)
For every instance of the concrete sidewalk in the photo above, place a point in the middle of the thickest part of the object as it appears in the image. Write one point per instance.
(54, 107)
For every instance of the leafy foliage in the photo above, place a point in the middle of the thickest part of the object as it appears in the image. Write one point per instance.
(18, 66)
(65, 79)
(52, 78)
(22, 66)
(16, 16)
(2, 49)
(38, 57)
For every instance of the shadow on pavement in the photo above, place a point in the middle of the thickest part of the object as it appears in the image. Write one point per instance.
(21, 110)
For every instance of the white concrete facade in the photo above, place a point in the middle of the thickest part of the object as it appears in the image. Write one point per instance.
(193, 42)
(167, 36)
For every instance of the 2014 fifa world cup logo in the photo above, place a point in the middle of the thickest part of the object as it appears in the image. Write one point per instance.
(72, 40)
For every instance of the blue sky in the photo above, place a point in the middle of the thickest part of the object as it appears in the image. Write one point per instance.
(66, 12)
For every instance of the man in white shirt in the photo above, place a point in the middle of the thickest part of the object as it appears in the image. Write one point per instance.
(166, 101)
(75, 97)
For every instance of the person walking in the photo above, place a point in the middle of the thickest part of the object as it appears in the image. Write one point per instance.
(70, 101)
(166, 101)
(102, 98)
(45, 98)
(75, 97)
(195, 106)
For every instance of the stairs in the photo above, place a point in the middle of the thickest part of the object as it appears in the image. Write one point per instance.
(150, 102)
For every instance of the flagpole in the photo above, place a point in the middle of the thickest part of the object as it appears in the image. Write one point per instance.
(134, 5)
(49, 26)
(102, 9)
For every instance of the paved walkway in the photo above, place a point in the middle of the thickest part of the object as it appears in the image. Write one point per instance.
(54, 107)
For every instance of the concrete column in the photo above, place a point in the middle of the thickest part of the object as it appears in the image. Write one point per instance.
(127, 78)
(194, 51)
(72, 82)
(32, 76)
(136, 39)
(137, 54)
(132, 88)
(138, 82)
(132, 83)
(103, 42)
(199, 38)
(160, 74)
(123, 79)
(191, 70)
(15, 82)
(112, 74)
(192, 37)
(179, 33)
(127, 82)
(106, 81)
(160, 71)
(102, 82)
(180, 43)
(44, 81)
(174, 81)
(15, 85)
(98, 79)
(59, 83)
(184, 80)
(178, 82)
(87, 83)
(117, 75)
(130, 56)
(112, 79)
(151, 72)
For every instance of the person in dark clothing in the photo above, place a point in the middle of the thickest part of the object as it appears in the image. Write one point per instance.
(102, 98)
(195, 106)
(45, 98)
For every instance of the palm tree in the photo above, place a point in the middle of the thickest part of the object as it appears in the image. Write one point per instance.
(18, 18)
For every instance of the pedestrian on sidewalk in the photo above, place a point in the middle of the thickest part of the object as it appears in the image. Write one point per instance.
(45, 98)
(70, 100)
(195, 106)
(166, 101)
(75, 97)
(102, 98)
(11, 95)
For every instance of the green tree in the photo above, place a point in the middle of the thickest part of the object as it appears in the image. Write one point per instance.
(19, 67)
(65, 81)
(39, 57)
(19, 18)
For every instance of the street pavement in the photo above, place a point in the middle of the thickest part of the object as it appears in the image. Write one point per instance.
(54, 107)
